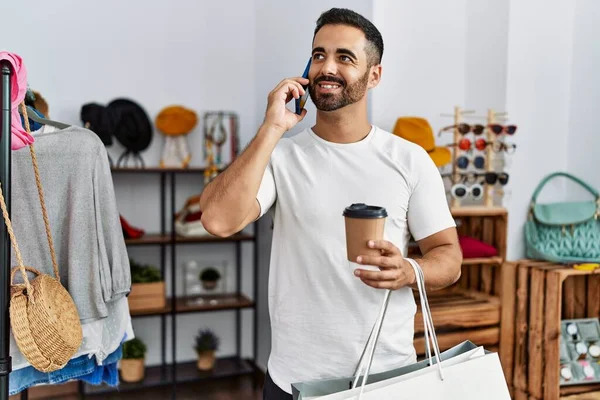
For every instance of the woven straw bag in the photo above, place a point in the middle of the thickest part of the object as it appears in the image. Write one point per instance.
(43, 316)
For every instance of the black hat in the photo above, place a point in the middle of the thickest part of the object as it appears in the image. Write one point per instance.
(100, 120)
(132, 127)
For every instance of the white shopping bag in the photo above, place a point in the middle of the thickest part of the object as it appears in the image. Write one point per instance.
(476, 374)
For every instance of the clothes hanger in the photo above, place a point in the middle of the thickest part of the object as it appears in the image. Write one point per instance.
(43, 121)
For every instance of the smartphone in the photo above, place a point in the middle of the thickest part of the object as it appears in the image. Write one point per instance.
(302, 100)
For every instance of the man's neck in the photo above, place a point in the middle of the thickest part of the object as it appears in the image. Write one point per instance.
(346, 125)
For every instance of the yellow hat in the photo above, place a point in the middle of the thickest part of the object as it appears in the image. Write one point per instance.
(176, 120)
(418, 130)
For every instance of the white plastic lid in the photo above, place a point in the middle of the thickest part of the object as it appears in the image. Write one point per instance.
(594, 350)
(588, 371)
(581, 348)
(566, 373)
(572, 329)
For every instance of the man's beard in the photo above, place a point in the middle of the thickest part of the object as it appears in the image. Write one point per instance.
(334, 101)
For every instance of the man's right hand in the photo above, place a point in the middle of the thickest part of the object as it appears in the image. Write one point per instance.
(277, 116)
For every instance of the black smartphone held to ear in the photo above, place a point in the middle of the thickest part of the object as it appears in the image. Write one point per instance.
(302, 100)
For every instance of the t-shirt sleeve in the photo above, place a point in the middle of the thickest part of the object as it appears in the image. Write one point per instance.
(267, 192)
(428, 209)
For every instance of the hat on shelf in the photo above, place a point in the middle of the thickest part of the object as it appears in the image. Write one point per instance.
(132, 128)
(176, 120)
(418, 130)
(100, 120)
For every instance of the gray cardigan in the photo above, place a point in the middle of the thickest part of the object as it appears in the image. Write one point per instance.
(84, 220)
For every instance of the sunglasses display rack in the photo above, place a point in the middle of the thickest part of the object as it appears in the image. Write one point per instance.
(489, 141)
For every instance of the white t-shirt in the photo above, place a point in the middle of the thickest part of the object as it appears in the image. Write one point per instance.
(321, 314)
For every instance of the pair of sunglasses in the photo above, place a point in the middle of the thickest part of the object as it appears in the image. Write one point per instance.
(463, 162)
(503, 129)
(478, 129)
(460, 191)
(464, 129)
(480, 144)
(492, 177)
(509, 148)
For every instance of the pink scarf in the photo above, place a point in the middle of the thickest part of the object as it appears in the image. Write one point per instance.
(18, 84)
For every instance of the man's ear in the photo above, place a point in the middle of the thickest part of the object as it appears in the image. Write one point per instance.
(375, 76)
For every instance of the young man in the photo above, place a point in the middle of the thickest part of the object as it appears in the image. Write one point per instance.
(322, 307)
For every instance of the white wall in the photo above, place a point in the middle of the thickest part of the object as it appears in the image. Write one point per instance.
(486, 51)
(538, 101)
(584, 115)
(157, 53)
(423, 60)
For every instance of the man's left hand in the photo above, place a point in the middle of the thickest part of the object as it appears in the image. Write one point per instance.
(395, 272)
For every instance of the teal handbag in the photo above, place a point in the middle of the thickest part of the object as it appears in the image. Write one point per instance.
(567, 232)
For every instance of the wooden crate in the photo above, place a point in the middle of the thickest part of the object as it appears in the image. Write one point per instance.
(536, 296)
(460, 315)
(471, 308)
(488, 224)
(147, 297)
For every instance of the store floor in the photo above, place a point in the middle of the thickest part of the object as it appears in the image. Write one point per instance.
(223, 389)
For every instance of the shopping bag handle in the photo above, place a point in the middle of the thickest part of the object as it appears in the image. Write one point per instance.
(429, 331)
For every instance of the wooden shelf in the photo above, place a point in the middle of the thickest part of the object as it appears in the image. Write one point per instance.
(158, 170)
(485, 260)
(477, 211)
(591, 389)
(217, 302)
(153, 239)
(185, 373)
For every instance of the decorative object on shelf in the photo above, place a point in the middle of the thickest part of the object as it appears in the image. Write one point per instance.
(209, 278)
(176, 122)
(490, 145)
(188, 220)
(132, 364)
(132, 129)
(205, 283)
(147, 289)
(567, 232)
(216, 137)
(207, 343)
(419, 131)
(130, 232)
(473, 248)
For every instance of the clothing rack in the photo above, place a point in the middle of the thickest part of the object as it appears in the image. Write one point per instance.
(5, 172)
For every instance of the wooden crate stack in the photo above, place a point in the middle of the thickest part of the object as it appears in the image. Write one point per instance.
(536, 296)
(471, 308)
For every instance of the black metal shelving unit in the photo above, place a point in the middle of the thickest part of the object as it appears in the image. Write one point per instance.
(175, 373)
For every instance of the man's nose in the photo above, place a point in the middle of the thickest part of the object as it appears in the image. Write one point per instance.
(329, 67)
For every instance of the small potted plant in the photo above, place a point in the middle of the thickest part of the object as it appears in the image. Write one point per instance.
(147, 288)
(207, 343)
(210, 277)
(132, 363)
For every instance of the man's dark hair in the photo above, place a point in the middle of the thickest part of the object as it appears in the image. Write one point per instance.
(343, 16)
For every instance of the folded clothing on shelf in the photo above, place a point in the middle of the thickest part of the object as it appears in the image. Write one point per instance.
(473, 248)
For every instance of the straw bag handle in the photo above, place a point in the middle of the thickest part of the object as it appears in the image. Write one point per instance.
(44, 214)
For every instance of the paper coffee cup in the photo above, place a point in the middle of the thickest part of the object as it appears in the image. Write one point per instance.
(363, 223)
